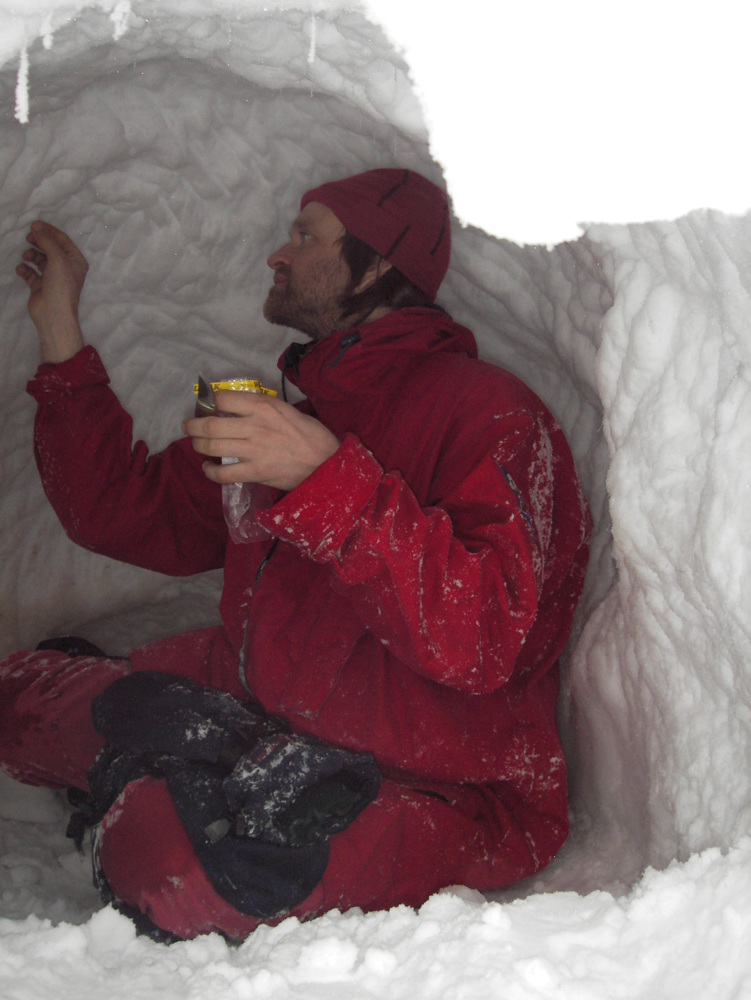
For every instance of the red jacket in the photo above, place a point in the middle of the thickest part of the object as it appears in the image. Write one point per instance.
(425, 578)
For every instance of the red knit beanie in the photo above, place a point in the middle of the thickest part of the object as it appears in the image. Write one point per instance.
(400, 215)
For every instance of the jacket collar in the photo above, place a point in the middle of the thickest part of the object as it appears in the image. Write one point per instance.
(351, 360)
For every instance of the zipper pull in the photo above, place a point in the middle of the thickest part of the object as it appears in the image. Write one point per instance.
(345, 343)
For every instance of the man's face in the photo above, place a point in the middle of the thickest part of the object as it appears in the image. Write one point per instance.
(310, 277)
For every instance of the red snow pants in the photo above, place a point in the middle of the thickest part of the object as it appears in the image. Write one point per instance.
(402, 848)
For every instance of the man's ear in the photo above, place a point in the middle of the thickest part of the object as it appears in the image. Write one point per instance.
(378, 268)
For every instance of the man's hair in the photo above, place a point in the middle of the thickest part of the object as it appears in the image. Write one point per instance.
(391, 289)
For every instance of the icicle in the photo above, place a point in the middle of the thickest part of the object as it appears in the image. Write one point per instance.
(312, 49)
(22, 87)
(120, 16)
(46, 32)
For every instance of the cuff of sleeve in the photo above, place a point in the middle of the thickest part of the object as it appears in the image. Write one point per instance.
(319, 514)
(82, 370)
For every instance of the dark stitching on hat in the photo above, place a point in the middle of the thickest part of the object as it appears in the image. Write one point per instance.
(395, 188)
(442, 232)
(396, 242)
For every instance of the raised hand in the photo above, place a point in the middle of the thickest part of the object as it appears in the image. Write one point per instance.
(55, 270)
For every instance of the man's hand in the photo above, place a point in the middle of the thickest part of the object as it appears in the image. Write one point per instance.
(275, 443)
(54, 270)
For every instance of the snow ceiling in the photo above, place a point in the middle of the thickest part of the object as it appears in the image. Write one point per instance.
(173, 139)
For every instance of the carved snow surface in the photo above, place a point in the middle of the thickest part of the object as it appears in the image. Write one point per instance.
(175, 157)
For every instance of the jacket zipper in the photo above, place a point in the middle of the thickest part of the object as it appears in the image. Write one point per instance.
(259, 573)
(294, 355)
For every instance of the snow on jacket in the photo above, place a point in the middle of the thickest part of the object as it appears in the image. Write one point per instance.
(416, 590)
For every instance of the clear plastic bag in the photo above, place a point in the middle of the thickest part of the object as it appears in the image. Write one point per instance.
(241, 503)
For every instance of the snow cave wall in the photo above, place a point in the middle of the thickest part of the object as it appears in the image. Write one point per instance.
(172, 141)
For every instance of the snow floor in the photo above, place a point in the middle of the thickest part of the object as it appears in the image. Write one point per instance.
(173, 140)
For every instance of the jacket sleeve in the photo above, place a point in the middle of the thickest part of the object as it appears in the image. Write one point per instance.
(453, 589)
(159, 512)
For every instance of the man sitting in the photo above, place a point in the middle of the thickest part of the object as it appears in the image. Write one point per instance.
(418, 553)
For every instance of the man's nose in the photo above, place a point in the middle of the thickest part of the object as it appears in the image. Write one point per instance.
(280, 257)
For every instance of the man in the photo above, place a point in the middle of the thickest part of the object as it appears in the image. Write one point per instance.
(424, 548)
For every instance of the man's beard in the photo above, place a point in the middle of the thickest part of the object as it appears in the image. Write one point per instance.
(316, 309)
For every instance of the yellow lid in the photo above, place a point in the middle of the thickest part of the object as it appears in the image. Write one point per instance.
(239, 385)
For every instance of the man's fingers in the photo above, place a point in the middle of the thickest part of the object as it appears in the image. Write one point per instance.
(40, 234)
(217, 436)
(35, 257)
(233, 409)
(219, 447)
(40, 226)
(27, 273)
(213, 427)
(41, 230)
(243, 404)
(48, 238)
(231, 473)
